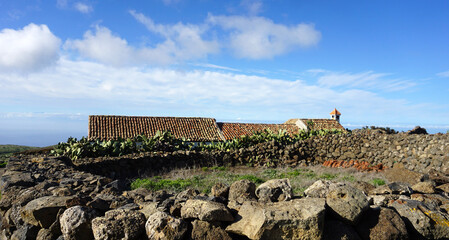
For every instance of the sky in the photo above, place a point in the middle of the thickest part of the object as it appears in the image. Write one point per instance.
(383, 63)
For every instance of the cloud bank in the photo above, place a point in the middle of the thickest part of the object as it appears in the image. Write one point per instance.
(246, 37)
(261, 38)
(365, 80)
(98, 86)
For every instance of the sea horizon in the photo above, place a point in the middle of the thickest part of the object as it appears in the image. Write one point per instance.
(43, 138)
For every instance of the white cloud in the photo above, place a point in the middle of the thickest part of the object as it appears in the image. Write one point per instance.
(208, 65)
(367, 79)
(316, 71)
(32, 48)
(182, 41)
(61, 3)
(259, 37)
(83, 8)
(248, 37)
(443, 74)
(254, 7)
(102, 46)
(90, 85)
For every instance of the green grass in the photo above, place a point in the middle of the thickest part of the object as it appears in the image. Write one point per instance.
(328, 176)
(203, 179)
(348, 178)
(251, 178)
(270, 173)
(214, 168)
(378, 182)
(302, 172)
(158, 184)
(219, 168)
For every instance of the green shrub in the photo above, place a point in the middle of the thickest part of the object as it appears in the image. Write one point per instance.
(165, 141)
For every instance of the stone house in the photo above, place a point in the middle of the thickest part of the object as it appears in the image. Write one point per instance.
(196, 129)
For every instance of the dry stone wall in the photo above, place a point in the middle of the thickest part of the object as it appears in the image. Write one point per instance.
(415, 152)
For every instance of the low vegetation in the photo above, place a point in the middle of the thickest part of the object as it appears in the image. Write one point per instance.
(203, 179)
(6, 151)
(165, 141)
(378, 182)
(161, 141)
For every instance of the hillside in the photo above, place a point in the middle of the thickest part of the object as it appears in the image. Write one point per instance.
(8, 150)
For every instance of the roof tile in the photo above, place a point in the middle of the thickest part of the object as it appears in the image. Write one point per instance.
(193, 128)
(235, 130)
(112, 127)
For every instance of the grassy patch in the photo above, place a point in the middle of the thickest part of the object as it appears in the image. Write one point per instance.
(302, 172)
(299, 191)
(348, 178)
(214, 168)
(251, 178)
(6, 151)
(219, 168)
(270, 173)
(378, 182)
(158, 184)
(310, 175)
(328, 176)
(203, 179)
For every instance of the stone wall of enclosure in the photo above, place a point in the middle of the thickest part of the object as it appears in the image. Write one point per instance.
(415, 152)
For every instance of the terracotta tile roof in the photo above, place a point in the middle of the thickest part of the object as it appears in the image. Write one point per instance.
(335, 112)
(319, 124)
(195, 129)
(234, 130)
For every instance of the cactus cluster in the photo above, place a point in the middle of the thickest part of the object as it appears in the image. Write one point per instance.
(165, 141)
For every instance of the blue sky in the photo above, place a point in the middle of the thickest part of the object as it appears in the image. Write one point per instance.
(380, 63)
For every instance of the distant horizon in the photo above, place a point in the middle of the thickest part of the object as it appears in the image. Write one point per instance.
(43, 138)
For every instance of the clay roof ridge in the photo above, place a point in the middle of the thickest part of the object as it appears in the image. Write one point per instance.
(150, 117)
(255, 123)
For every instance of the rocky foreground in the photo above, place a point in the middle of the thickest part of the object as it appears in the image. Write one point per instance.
(48, 198)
